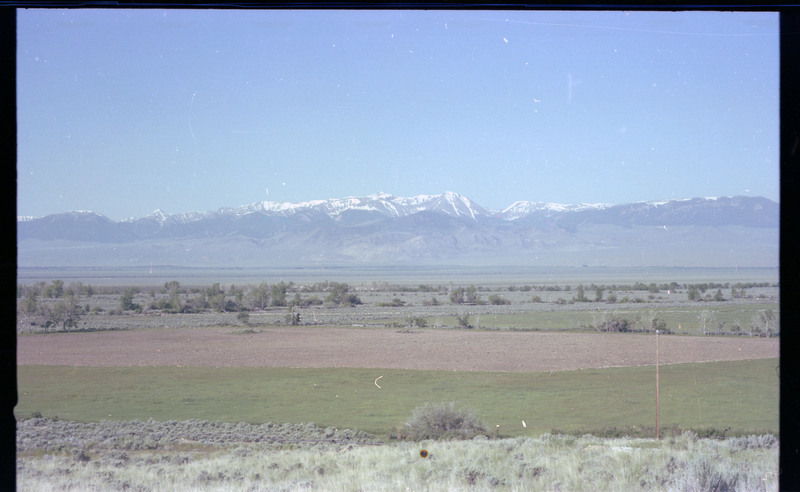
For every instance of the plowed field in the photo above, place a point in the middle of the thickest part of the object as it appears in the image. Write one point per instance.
(382, 348)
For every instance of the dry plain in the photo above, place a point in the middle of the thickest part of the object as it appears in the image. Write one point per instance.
(424, 349)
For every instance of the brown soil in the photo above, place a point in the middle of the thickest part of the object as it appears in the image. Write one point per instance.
(381, 348)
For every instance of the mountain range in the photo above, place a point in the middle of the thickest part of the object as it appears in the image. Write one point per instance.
(383, 229)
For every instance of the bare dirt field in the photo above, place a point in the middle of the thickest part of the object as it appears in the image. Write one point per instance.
(321, 347)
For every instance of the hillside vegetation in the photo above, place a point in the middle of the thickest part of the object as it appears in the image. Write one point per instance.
(201, 455)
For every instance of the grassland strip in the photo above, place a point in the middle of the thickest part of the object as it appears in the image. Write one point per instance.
(739, 395)
(688, 319)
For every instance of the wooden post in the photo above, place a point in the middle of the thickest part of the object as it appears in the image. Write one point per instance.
(657, 412)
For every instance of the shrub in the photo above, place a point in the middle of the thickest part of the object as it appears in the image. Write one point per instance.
(442, 421)
(340, 294)
(395, 302)
(465, 296)
(615, 325)
(126, 300)
(704, 474)
(463, 321)
(764, 441)
(498, 300)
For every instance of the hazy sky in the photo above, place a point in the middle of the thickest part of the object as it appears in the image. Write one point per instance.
(125, 111)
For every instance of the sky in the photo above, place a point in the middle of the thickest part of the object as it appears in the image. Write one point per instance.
(123, 112)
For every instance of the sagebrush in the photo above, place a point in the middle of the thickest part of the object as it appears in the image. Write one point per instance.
(56, 455)
(442, 421)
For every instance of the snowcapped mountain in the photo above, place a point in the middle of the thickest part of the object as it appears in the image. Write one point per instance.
(162, 217)
(524, 208)
(382, 228)
(448, 203)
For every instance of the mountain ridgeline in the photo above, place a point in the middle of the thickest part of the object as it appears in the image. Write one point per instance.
(427, 229)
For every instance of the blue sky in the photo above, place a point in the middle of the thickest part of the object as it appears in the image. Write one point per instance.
(125, 111)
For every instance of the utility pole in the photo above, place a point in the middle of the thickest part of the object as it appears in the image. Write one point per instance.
(657, 415)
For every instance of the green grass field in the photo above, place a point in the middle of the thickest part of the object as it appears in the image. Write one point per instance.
(741, 396)
(683, 319)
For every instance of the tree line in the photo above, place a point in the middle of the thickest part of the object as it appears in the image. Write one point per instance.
(55, 306)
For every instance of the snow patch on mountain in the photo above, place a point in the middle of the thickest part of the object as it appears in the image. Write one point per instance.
(162, 217)
(521, 209)
(333, 207)
(448, 203)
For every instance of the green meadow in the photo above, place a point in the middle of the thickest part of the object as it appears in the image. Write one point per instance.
(738, 397)
(679, 319)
